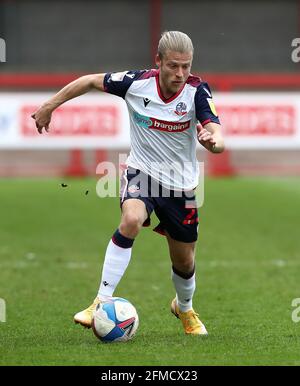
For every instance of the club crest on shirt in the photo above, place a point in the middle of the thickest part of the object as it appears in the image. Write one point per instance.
(180, 109)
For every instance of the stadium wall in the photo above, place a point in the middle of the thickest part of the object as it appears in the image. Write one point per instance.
(97, 35)
(240, 45)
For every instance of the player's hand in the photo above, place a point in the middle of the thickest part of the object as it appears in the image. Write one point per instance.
(205, 138)
(42, 118)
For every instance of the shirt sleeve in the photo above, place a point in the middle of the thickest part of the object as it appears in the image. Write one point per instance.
(118, 83)
(205, 108)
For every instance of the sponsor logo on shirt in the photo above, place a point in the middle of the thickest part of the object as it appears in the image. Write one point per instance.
(173, 127)
(158, 124)
(142, 120)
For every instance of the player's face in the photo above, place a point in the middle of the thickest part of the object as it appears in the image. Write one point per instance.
(174, 69)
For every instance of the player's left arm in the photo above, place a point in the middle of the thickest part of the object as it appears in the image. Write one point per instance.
(209, 130)
(210, 136)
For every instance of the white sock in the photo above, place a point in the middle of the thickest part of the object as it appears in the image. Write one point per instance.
(185, 289)
(115, 264)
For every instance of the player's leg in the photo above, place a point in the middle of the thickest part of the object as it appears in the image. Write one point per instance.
(136, 208)
(183, 271)
(119, 249)
(183, 276)
(118, 254)
(179, 221)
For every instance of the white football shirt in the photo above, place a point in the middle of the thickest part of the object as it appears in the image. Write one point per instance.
(163, 131)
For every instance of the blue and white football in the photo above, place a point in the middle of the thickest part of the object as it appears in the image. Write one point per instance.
(115, 320)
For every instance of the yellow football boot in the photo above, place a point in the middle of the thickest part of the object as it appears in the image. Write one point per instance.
(191, 323)
(85, 317)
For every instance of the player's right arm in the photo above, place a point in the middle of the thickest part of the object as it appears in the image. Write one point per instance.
(72, 90)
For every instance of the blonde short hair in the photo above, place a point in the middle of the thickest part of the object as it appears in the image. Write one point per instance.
(174, 41)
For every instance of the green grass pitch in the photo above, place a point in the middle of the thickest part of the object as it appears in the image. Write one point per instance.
(52, 244)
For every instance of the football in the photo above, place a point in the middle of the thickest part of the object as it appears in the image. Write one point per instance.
(115, 320)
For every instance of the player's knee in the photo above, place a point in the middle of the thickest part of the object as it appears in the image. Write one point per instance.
(186, 264)
(130, 225)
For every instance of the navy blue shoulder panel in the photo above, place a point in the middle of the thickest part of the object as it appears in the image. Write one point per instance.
(205, 111)
(118, 83)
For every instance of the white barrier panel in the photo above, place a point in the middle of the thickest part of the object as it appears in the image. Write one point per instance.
(99, 120)
(260, 120)
(96, 120)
